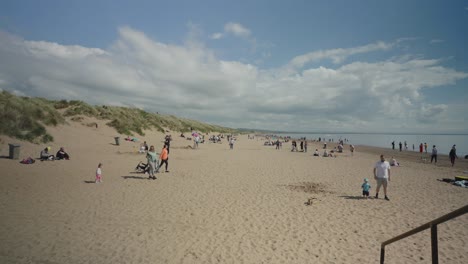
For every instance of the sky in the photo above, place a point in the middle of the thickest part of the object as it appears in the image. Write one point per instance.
(303, 66)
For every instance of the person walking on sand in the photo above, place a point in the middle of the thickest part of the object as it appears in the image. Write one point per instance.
(453, 155)
(434, 154)
(425, 146)
(393, 145)
(400, 145)
(98, 173)
(152, 160)
(231, 143)
(305, 146)
(351, 148)
(164, 157)
(382, 176)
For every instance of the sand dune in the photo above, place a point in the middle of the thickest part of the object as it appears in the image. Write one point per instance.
(217, 205)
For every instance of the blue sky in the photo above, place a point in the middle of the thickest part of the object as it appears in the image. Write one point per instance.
(374, 66)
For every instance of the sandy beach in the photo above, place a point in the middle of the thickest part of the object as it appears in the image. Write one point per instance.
(217, 205)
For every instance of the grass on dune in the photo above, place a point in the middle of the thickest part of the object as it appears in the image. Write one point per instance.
(27, 118)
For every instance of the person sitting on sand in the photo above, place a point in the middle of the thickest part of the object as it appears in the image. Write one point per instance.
(394, 162)
(45, 155)
(61, 154)
(325, 153)
(316, 153)
(340, 148)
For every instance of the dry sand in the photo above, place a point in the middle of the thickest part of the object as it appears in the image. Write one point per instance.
(217, 205)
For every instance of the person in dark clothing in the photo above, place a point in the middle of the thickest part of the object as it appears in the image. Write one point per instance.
(61, 154)
(393, 145)
(434, 154)
(168, 143)
(453, 155)
(401, 145)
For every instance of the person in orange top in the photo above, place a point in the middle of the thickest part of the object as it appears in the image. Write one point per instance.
(164, 157)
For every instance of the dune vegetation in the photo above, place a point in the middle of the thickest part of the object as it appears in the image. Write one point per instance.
(27, 118)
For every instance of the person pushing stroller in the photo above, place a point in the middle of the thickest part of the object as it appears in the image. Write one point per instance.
(152, 158)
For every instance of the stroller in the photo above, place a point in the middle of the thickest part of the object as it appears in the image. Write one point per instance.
(144, 167)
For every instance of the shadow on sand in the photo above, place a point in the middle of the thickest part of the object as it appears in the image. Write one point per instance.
(135, 177)
(353, 197)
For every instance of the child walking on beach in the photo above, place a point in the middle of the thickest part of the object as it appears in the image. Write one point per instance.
(365, 188)
(99, 173)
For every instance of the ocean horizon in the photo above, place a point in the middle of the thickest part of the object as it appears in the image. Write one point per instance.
(442, 141)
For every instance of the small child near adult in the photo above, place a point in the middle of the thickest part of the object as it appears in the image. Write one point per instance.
(99, 174)
(365, 188)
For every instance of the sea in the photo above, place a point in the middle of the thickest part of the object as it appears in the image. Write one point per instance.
(443, 142)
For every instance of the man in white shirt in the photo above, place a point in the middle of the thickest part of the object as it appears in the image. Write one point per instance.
(382, 175)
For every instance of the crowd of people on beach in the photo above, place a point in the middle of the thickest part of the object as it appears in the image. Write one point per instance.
(423, 149)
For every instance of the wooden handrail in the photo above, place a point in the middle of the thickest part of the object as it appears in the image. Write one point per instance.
(433, 226)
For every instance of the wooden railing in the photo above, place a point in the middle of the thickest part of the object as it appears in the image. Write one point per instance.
(433, 226)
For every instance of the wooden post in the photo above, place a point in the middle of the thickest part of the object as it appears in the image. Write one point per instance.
(434, 246)
(382, 254)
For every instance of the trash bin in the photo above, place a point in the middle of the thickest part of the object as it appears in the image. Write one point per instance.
(14, 151)
(117, 141)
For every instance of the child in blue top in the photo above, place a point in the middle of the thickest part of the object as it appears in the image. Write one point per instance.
(365, 188)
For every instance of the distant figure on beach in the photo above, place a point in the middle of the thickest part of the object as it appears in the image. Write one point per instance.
(394, 162)
(164, 157)
(425, 146)
(167, 142)
(382, 176)
(413, 147)
(277, 144)
(302, 146)
(434, 154)
(406, 145)
(453, 155)
(152, 160)
(400, 145)
(325, 145)
(45, 155)
(293, 146)
(305, 146)
(231, 143)
(316, 153)
(421, 146)
(340, 148)
(365, 188)
(98, 174)
(393, 145)
(351, 148)
(62, 155)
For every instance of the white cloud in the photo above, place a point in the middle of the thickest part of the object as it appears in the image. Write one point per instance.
(217, 35)
(237, 29)
(232, 28)
(189, 80)
(337, 55)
